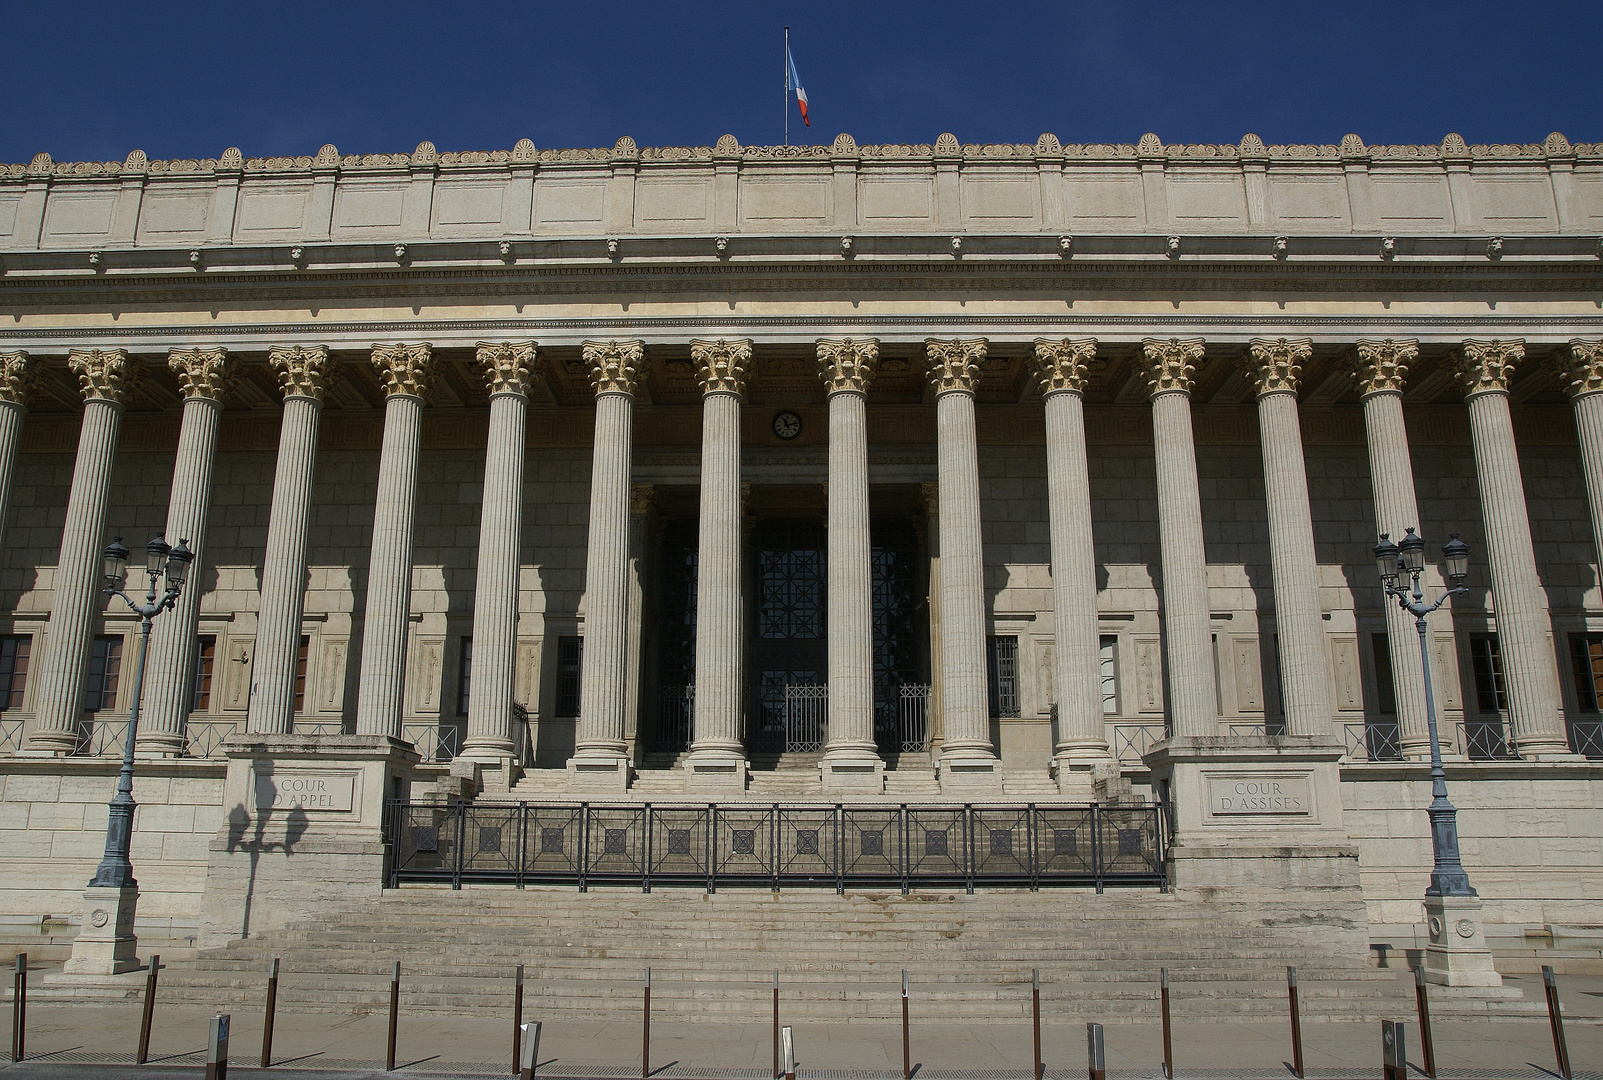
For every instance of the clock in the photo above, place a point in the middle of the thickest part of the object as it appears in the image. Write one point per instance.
(787, 425)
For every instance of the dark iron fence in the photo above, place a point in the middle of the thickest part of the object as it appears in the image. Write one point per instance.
(710, 845)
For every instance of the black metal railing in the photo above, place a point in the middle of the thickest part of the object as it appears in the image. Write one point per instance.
(714, 845)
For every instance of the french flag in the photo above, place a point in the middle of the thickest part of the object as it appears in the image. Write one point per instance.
(795, 81)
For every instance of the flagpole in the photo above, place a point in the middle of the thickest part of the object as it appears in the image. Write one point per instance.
(787, 86)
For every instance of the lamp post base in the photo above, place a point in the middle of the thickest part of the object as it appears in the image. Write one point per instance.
(105, 944)
(1457, 954)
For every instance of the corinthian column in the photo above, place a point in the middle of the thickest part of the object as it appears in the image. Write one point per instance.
(967, 757)
(304, 374)
(509, 368)
(1062, 366)
(204, 374)
(851, 760)
(406, 371)
(1187, 641)
(1274, 368)
(600, 752)
(76, 599)
(1582, 371)
(716, 755)
(1379, 371)
(1520, 605)
(16, 377)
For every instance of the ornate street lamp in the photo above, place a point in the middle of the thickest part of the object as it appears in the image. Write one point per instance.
(1406, 559)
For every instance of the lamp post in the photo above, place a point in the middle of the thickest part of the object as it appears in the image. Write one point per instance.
(114, 882)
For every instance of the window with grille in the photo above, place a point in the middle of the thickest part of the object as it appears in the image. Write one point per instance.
(205, 661)
(570, 662)
(1487, 663)
(1385, 692)
(1110, 675)
(464, 675)
(105, 664)
(14, 649)
(1586, 661)
(301, 656)
(1002, 667)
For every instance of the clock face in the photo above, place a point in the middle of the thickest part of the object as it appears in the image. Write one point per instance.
(787, 425)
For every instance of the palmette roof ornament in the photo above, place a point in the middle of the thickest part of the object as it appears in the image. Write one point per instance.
(1581, 367)
(16, 377)
(303, 370)
(508, 366)
(847, 364)
(615, 366)
(204, 373)
(954, 365)
(405, 370)
(1486, 366)
(1063, 364)
(1275, 365)
(1382, 366)
(722, 366)
(1171, 363)
(102, 373)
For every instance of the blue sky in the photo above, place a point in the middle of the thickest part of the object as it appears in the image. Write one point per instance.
(93, 81)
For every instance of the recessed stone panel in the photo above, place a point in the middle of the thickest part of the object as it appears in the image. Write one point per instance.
(463, 205)
(272, 209)
(895, 200)
(796, 201)
(569, 201)
(1419, 201)
(76, 216)
(172, 214)
(369, 207)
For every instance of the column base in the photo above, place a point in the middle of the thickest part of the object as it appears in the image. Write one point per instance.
(166, 744)
(105, 944)
(722, 770)
(1457, 954)
(599, 774)
(853, 773)
(494, 773)
(980, 774)
(1089, 777)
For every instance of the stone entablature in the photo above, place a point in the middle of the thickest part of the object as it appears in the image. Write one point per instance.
(946, 187)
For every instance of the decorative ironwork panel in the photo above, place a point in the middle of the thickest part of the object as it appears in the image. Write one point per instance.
(806, 710)
(872, 843)
(1586, 737)
(1065, 842)
(679, 842)
(1128, 841)
(790, 580)
(807, 843)
(424, 840)
(676, 710)
(555, 841)
(491, 835)
(744, 841)
(1002, 842)
(676, 605)
(899, 634)
(937, 841)
(615, 842)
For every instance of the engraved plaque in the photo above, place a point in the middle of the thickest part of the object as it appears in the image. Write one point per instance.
(1233, 796)
(306, 791)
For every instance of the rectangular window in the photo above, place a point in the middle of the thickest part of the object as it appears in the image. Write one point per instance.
(1385, 692)
(301, 656)
(205, 659)
(1487, 663)
(105, 664)
(1002, 667)
(14, 649)
(570, 663)
(464, 675)
(1110, 675)
(1586, 660)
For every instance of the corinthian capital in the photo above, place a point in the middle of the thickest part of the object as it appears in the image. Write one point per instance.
(509, 366)
(1381, 366)
(101, 372)
(1581, 368)
(302, 371)
(1274, 366)
(205, 373)
(1170, 364)
(722, 366)
(847, 364)
(1485, 366)
(615, 366)
(404, 369)
(16, 377)
(1062, 364)
(955, 365)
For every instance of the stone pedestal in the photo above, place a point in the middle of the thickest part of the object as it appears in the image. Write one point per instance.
(975, 774)
(303, 823)
(1256, 815)
(853, 775)
(598, 774)
(716, 770)
(1457, 954)
(105, 943)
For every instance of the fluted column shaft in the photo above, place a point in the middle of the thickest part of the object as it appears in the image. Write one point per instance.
(1582, 373)
(606, 589)
(170, 673)
(15, 376)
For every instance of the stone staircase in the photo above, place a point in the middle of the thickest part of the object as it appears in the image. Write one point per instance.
(840, 957)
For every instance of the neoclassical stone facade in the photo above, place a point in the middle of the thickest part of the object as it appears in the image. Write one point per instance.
(891, 473)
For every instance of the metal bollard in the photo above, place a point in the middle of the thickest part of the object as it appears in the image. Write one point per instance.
(19, 1008)
(150, 1009)
(217, 1048)
(790, 1052)
(395, 1015)
(1096, 1056)
(1427, 1049)
(1555, 1017)
(776, 1022)
(529, 1057)
(907, 1053)
(517, 1018)
(1168, 1046)
(1296, 1023)
(645, 1031)
(1394, 1050)
(267, 1020)
(1035, 1007)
